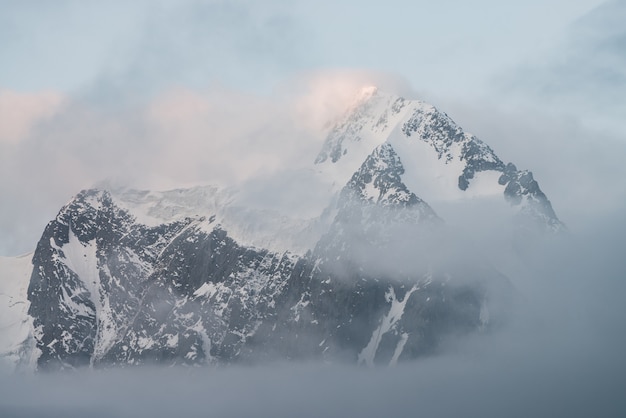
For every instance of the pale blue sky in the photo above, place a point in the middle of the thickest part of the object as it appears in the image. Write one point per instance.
(451, 46)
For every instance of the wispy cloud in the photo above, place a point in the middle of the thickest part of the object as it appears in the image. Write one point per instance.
(179, 137)
(583, 75)
(560, 355)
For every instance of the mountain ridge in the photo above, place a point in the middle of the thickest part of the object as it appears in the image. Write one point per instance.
(190, 276)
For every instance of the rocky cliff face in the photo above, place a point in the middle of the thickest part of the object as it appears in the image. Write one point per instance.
(128, 277)
(107, 290)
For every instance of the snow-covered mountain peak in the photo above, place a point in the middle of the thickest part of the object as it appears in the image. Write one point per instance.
(209, 274)
(357, 133)
(440, 161)
(364, 94)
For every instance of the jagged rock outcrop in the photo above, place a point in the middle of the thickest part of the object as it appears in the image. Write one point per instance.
(136, 277)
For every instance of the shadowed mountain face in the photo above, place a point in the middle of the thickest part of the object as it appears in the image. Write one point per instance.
(128, 278)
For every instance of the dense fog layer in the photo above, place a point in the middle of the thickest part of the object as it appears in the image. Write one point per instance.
(560, 354)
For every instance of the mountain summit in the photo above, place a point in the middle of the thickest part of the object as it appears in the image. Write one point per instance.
(439, 161)
(194, 276)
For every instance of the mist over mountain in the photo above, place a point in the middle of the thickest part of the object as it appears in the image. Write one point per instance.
(402, 241)
(208, 209)
(206, 276)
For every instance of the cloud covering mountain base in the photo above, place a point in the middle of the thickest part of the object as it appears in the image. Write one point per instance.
(561, 354)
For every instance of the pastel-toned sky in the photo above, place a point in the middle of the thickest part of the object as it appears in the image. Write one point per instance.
(159, 93)
(450, 46)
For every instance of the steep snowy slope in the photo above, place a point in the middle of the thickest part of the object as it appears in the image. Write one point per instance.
(16, 328)
(440, 162)
(109, 289)
(256, 227)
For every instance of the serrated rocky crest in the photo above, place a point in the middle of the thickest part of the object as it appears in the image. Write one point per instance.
(112, 287)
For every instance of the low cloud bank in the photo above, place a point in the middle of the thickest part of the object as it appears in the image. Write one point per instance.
(561, 354)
